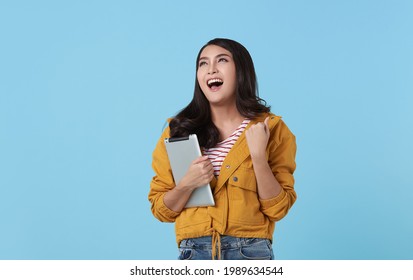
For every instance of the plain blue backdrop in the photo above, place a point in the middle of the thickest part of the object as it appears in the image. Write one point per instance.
(86, 87)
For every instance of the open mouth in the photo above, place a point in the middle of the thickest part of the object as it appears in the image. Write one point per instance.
(214, 84)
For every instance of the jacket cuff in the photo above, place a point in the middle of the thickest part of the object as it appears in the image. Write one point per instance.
(268, 203)
(168, 213)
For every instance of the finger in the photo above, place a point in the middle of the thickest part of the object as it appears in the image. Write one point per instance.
(206, 166)
(267, 128)
(211, 168)
(206, 163)
(267, 119)
(200, 159)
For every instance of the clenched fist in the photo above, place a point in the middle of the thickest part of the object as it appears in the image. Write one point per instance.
(257, 138)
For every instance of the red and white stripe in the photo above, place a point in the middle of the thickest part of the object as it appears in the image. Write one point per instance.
(218, 153)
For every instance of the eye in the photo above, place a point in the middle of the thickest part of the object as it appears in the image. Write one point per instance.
(222, 60)
(202, 63)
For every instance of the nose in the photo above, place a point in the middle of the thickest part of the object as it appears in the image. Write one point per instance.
(212, 68)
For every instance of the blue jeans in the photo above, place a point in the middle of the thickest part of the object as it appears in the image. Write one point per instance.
(232, 248)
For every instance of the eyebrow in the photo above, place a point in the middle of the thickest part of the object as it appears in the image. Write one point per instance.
(217, 56)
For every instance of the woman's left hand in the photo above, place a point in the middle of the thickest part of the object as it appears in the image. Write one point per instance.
(257, 138)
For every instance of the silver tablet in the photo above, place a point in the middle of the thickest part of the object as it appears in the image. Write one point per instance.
(182, 151)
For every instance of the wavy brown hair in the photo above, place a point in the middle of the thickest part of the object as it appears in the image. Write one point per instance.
(196, 117)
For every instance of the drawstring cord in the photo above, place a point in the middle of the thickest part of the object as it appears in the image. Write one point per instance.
(216, 243)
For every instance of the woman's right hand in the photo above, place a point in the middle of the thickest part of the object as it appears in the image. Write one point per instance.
(199, 173)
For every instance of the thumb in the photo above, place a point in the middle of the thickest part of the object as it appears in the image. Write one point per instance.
(267, 127)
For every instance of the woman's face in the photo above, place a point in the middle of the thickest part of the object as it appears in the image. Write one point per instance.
(217, 75)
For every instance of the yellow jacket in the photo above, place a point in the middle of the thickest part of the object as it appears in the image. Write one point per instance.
(238, 211)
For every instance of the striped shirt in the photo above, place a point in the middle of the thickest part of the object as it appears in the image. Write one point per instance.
(218, 153)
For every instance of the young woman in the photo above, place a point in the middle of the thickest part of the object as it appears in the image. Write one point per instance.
(248, 159)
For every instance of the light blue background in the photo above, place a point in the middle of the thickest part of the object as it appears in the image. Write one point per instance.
(86, 87)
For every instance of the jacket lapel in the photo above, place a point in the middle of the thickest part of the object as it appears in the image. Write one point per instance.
(239, 153)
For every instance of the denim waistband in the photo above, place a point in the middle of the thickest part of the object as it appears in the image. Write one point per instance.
(226, 242)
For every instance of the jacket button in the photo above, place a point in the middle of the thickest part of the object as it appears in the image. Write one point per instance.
(227, 167)
(235, 179)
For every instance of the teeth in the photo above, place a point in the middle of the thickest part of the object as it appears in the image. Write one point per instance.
(214, 81)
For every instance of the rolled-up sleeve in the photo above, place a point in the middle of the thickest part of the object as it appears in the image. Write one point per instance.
(162, 182)
(282, 151)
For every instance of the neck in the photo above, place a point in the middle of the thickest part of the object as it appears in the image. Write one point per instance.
(226, 119)
(223, 115)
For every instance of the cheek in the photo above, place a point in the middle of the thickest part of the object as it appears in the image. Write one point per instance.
(233, 81)
(232, 76)
(198, 78)
(202, 85)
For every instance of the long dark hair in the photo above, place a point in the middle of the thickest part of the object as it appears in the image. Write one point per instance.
(196, 117)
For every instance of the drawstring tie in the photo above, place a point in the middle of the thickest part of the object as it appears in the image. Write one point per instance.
(216, 243)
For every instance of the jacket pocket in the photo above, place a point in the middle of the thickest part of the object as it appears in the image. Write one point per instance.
(192, 218)
(244, 205)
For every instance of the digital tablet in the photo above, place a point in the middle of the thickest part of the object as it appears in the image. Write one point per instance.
(182, 151)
